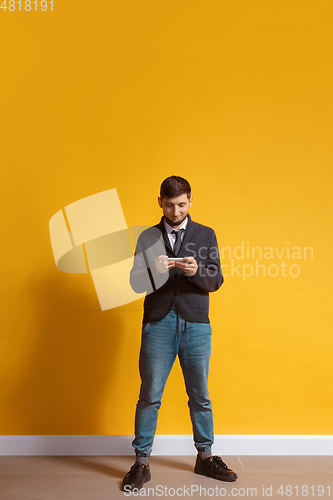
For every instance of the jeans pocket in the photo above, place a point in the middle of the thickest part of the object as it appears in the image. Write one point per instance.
(207, 329)
(145, 327)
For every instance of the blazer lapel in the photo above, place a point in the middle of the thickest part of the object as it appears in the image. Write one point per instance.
(187, 236)
(161, 227)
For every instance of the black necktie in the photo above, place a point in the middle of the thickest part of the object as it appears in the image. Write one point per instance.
(178, 240)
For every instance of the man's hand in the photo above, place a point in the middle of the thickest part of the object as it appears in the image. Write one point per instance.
(190, 265)
(162, 265)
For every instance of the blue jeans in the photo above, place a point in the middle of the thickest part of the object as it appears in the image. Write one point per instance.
(161, 342)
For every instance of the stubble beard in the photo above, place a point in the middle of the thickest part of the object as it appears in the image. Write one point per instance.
(175, 223)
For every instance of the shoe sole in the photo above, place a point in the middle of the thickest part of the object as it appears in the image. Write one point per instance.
(219, 478)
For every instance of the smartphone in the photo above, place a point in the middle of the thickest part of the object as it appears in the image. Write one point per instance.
(176, 259)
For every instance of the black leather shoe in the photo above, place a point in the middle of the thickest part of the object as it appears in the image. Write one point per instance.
(214, 467)
(136, 477)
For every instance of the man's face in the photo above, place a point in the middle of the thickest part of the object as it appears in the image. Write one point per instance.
(175, 209)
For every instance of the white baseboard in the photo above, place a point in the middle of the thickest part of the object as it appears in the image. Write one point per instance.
(247, 444)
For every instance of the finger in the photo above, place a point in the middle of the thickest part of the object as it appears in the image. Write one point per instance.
(182, 266)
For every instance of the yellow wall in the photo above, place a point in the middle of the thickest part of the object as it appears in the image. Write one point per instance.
(237, 98)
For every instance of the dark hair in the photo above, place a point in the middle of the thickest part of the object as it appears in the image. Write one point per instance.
(174, 186)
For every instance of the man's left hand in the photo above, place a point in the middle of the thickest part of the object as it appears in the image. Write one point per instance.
(190, 265)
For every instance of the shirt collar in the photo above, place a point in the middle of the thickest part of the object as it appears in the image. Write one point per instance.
(169, 229)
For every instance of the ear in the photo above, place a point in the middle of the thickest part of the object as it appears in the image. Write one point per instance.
(159, 202)
(190, 201)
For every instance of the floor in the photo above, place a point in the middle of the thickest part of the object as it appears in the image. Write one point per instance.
(99, 478)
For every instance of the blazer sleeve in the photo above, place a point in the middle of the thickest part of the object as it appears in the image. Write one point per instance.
(144, 276)
(140, 278)
(209, 276)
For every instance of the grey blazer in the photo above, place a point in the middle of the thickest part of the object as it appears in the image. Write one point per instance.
(189, 295)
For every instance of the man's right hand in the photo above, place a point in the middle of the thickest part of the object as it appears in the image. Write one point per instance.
(162, 265)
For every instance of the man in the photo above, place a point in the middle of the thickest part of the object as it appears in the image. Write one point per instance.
(175, 322)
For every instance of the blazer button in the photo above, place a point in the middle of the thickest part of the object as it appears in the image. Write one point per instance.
(175, 292)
